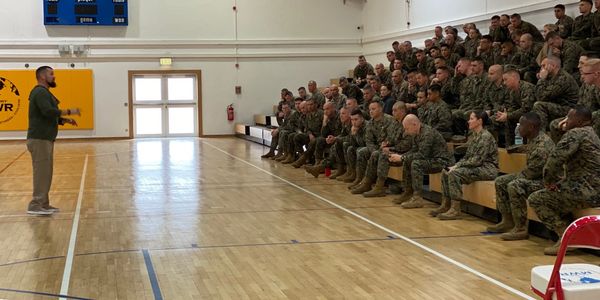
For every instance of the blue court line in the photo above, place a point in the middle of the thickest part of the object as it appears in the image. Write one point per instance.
(43, 294)
(152, 275)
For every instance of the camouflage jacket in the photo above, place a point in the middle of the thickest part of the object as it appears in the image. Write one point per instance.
(520, 102)
(499, 34)
(397, 141)
(293, 122)
(493, 97)
(569, 56)
(527, 27)
(339, 101)
(526, 60)
(353, 91)
(319, 98)
(538, 151)
(358, 139)
(363, 71)
(561, 89)
(429, 145)
(437, 115)
(375, 132)
(565, 26)
(582, 27)
(589, 96)
(470, 90)
(332, 127)
(313, 122)
(579, 151)
(482, 151)
(471, 48)
(400, 91)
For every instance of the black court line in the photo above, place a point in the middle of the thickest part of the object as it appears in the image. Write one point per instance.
(12, 162)
(152, 275)
(447, 236)
(43, 294)
(30, 260)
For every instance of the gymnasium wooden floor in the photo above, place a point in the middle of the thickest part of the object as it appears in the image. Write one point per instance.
(207, 218)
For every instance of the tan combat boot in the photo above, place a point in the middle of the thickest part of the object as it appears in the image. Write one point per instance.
(283, 156)
(444, 207)
(340, 171)
(268, 154)
(505, 225)
(314, 170)
(553, 250)
(350, 173)
(519, 232)
(415, 202)
(363, 186)
(360, 174)
(290, 159)
(453, 213)
(378, 190)
(405, 196)
(300, 161)
(278, 155)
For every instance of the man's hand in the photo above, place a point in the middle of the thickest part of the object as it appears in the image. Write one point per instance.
(384, 144)
(450, 169)
(501, 116)
(395, 157)
(280, 114)
(354, 130)
(555, 51)
(543, 73)
(70, 121)
(562, 125)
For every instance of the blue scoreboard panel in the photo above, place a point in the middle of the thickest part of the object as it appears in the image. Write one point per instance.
(86, 12)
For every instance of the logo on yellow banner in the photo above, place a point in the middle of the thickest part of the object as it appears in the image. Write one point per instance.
(10, 100)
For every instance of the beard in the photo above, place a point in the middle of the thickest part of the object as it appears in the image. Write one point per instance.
(52, 84)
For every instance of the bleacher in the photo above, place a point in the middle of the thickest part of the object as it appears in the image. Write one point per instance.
(481, 194)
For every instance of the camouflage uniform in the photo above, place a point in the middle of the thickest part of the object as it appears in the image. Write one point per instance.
(355, 142)
(386, 77)
(470, 89)
(471, 48)
(438, 116)
(428, 154)
(569, 56)
(363, 71)
(333, 127)
(339, 101)
(337, 154)
(499, 34)
(313, 123)
(579, 153)
(589, 96)
(488, 58)
(512, 190)
(353, 91)
(479, 163)
(426, 66)
(375, 134)
(319, 98)
(527, 27)
(555, 96)
(282, 128)
(400, 91)
(582, 27)
(565, 26)
(516, 104)
(296, 126)
(526, 63)
(379, 163)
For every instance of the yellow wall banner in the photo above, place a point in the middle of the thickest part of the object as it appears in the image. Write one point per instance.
(74, 88)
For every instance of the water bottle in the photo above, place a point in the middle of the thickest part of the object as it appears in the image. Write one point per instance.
(518, 137)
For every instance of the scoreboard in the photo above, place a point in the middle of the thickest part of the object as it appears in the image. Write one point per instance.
(86, 12)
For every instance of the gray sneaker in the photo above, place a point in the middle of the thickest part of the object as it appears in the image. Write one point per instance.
(39, 211)
(52, 208)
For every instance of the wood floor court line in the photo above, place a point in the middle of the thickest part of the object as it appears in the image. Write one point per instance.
(423, 247)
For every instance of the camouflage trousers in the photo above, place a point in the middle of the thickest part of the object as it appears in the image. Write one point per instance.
(413, 172)
(512, 191)
(552, 206)
(452, 181)
(336, 155)
(274, 142)
(321, 147)
(363, 158)
(301, 140)
(459, 121)
(506, 129)
(556, 134)
(382, 166)
(351, 153)
(549, 111)
(290, 145)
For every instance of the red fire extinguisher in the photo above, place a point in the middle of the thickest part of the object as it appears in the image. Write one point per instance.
(230, 114)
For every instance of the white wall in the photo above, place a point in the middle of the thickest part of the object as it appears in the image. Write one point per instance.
(386, 20)
(281, 43)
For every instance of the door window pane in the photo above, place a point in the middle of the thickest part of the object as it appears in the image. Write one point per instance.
(181, 120)
(148, 89)
(181, 88)
(148, 120)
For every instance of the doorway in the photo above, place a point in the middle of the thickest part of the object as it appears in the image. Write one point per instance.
(165, 104)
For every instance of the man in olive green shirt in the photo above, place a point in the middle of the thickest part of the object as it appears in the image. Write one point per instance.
(44, 118)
